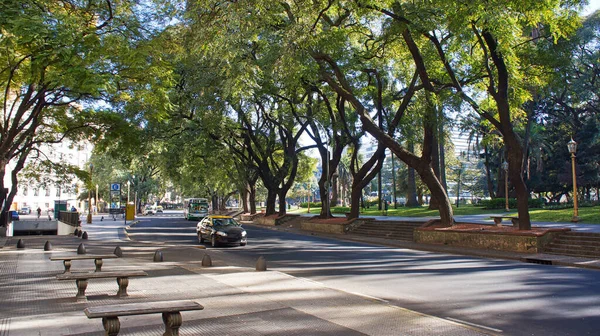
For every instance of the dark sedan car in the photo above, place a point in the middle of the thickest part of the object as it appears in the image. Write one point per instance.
(221, 230)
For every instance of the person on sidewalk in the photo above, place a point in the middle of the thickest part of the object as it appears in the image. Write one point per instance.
(49, 215)
(39, 211)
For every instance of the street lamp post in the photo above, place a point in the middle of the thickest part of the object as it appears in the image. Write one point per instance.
(128, 183)
(572, 146)
(505, 168)
(89, 216)
(97, 204)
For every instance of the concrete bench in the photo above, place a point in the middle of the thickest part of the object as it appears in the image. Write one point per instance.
(170, 311)
(498, 220)
(97, 260)
(81, 280)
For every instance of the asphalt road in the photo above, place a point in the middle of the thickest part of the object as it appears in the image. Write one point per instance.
(506, 297)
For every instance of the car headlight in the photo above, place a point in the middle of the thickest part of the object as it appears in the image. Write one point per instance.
(243, 233)
(223, 234)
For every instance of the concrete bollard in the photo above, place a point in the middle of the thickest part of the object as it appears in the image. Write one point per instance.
(118, 252)
(48, 246)
(21, 244)
(80, 233)
(206, 261)
(76, 232)
(158, 256)
(81, 249)
(261, 264)
(84, 235)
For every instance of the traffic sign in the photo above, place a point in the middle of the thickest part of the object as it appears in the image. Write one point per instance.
(115, 186)
(115, 193)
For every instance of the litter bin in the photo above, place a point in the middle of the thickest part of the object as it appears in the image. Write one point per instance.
(130, 212)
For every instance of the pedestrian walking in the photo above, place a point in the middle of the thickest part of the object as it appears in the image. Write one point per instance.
(39, 211)
(49, 215)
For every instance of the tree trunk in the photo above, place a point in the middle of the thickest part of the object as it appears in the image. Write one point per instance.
(511, 139)
(435, 164)
(271, 197)
(515, 174)
(334, 191)
(488, 174)
(442, 155)
(362, 178)
(355, 200)
(437, 190)
(215, 202)
(252, 198)
(282, 202)
(244, 196)
(411, 193)
(325, 210)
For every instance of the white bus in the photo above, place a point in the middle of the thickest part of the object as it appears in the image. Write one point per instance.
(195, 208)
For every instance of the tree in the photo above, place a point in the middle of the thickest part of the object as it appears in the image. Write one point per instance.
(58, 60)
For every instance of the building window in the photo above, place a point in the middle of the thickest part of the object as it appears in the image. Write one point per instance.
(24, 191)
(47, 191)
(36, 192)
(58, 192)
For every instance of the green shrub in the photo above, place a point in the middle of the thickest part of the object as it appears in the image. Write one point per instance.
(536, 202)
(500, 203)
(312, 204)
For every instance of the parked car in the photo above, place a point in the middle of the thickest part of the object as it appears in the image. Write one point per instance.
(149, 210)
(25, 210)
(14, 215)
(221, 230)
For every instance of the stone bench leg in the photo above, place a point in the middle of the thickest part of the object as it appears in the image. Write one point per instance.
(98, 263)
(498, 221)
(172, 323)
(123, 283)
(515, 222)
(67, 264)
(111, 325)
(81, 286)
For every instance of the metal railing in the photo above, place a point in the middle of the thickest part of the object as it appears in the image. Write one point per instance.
(69, 217)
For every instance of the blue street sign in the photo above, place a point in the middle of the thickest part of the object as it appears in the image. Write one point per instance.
(115, 186)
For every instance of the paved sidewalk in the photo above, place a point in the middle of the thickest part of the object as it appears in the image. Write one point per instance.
(237, 301)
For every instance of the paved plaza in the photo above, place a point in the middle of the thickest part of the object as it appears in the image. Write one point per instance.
(237, 301)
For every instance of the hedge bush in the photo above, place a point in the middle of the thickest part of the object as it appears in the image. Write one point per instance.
(312, 204)
(500, 203)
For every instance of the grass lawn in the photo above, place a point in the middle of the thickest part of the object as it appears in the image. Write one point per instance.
(587, 215)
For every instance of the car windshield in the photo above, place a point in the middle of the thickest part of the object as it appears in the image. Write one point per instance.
(225, 222)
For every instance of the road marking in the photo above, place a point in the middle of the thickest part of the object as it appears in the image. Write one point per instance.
(474, 324)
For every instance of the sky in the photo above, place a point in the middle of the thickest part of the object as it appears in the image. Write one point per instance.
(594, 4)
